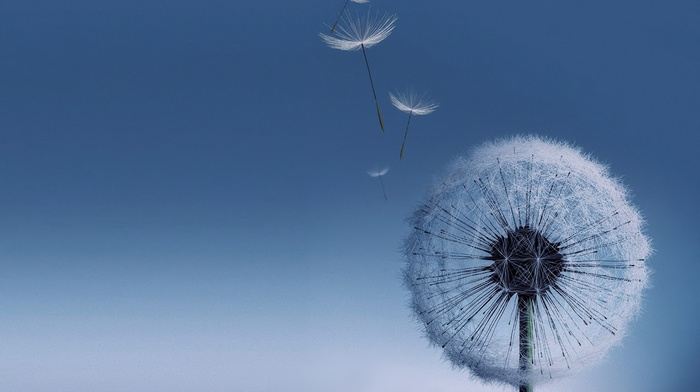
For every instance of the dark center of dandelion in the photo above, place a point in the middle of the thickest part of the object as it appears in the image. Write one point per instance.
(525, 262)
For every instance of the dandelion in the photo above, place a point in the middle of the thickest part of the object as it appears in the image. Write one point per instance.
(379, 173)
(361, 33)
(412, 103)
(343, 10)
(526, 262)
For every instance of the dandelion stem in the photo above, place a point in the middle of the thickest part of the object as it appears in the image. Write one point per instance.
(525, 314)
(405, 134)
(339, 15)
(376, 102)
(383, 191)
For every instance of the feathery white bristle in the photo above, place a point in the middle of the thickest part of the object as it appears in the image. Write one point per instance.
(412, 102)
(378, 172)
(362, 30)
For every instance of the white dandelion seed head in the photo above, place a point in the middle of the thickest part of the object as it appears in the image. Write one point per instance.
(378, 172)
(526, 219)
(361, 30)
(411, 102)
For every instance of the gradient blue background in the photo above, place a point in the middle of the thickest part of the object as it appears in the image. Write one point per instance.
(184, 202)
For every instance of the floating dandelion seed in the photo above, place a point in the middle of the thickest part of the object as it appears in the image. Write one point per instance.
(343, 10)
(360, 33)
(526, 262)
(379, 173)
(412, 103)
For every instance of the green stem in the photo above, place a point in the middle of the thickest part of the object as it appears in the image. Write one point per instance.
(379, 114)
(383, 191)
(526, 323)
(405, 134)
(339, 15)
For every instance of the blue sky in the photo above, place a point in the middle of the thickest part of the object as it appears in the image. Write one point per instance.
(185, 203)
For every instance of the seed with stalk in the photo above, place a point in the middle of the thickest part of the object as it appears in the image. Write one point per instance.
(526, 262)
(412, 103)
(343, 10)
(362, 32)
(379, 173)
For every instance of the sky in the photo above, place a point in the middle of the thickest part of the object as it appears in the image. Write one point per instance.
(185, 203)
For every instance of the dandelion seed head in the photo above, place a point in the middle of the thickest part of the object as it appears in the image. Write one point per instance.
(413, 102)
(378, 172)
(362, 30)
(526, 218)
